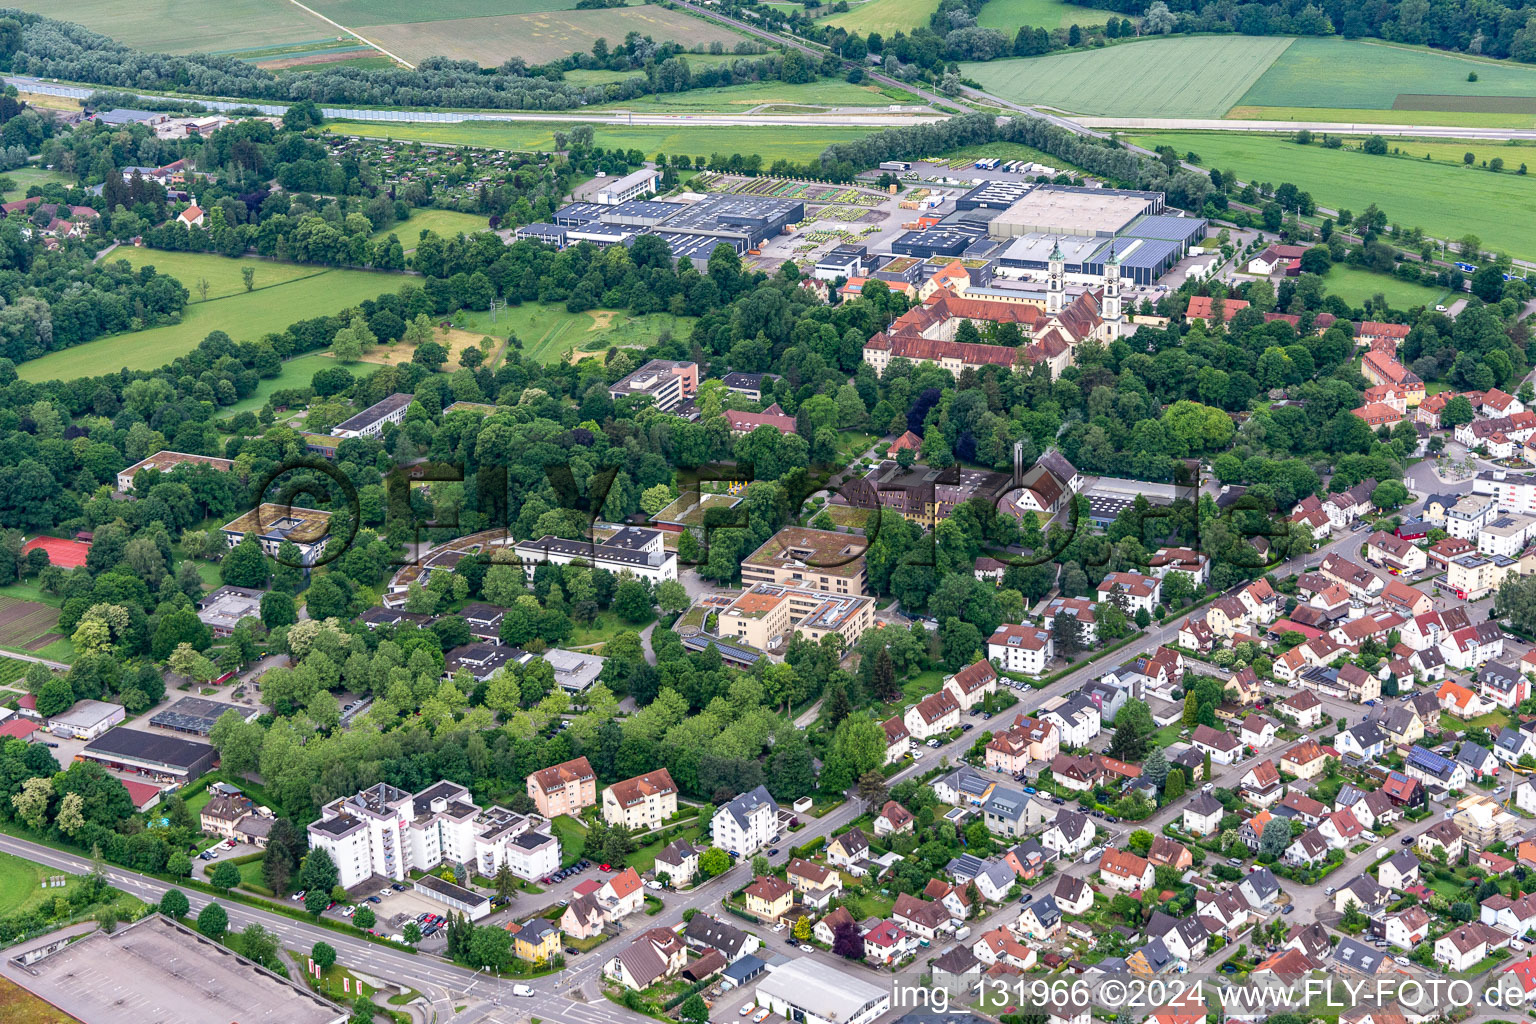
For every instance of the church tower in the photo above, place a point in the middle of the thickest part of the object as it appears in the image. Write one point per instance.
(1056, 284)
(1114, 319)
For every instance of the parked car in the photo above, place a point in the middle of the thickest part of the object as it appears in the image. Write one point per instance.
(299, 896)
(760, 1016)
(773, 851)
(746, 1009)
(1406, 840)
(1026, 898)
(1057, 800)
(1287, 908)
(1030, 790)
(605, 867)
(374, 899)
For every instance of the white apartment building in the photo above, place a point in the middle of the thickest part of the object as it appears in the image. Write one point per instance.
(1505, 534)
(389, 832)
(746, 824)
(1514, 493)
(1021, 648)
(1467, 517)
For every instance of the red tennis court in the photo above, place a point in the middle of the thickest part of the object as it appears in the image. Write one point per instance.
(61, 552)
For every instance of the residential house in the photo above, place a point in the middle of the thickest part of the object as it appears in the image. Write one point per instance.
(1202, 815)
(1139, 592)
(1223, 747)
(769, 897)
(1021, 648)
(1467, 945)
(1441, 837)
(563, 788)
(1399, 871)
(817, 884)
(1513, 917)
(1395, 552)
(706, 932)
(1305, 760)
(1303, 708)
(1073, 895)
(893, 818)
(1307, 849)
(1364, 740)
(1040, 920)
(642, 803)
(1166, 852)
(1407, 928)
(1261, 785)
(971, 684)
(1028, 740)
(934, 715)
(679, 862)
(920, 917)
(1503, 685)
(825, 930)
(898, 739)
(1070, 834)
(1124, 871)
(1434, 770)
(1004, 812)
(1077, 721)
(887, 943)
(848, 850)
(746, 824)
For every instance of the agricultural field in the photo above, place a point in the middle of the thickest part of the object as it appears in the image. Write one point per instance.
(1370, 75)
(540, 37)
(353, 13)
(1356, 284)
(1008, 15)
(245, 316)
(191, 26)
(1200, 76)
(1446, 200)
(222, 273)
(26, 626)
(885, 16)
(797, 144)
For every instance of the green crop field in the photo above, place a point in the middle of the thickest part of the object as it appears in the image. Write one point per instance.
(798, 144)
(222, 273)
(245, 317)
(187, 26)
(1356, 284)
(1349, 115)
(1196, 76)
(542, 36)
(1008, 15)
(885, 16)
(1342, 73)
(1447, 201)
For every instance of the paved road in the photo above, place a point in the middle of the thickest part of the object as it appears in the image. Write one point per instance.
(1204, 124)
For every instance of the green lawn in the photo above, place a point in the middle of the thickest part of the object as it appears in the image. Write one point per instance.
(296, 373)
(1494, 721)
(644, 858)
(21, 887)
(26, 177)
(799, 144)
(223, 274)
(885, 16)
(1446, 200)
(573, 838)
(245, 317)
(1008, 15)
(445, 222)
(874, 905)
(1356, 284)
(548, 332)
(1176, 76)
(1376, 75)
(605, 627)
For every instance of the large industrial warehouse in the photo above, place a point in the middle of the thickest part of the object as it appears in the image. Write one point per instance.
(692, 227)
(810, 992)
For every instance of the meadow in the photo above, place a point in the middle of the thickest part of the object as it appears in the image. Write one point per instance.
(549, 333)
(885, 16)
(1446, 200)
(353, 13)
(541, 36)
(793, 143)
(1184, 76)
(296, 373)
(244, 317)
(828, 92)
(222, 273)
(190, 26)
(26, 177)
(1341, 73)
(445, 222)
(1008, 15)
(1356, 284)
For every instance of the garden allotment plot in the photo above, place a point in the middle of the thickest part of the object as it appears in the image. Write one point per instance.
(1181, 77)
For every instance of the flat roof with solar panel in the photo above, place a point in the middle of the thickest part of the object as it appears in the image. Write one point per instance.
(197, 715)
